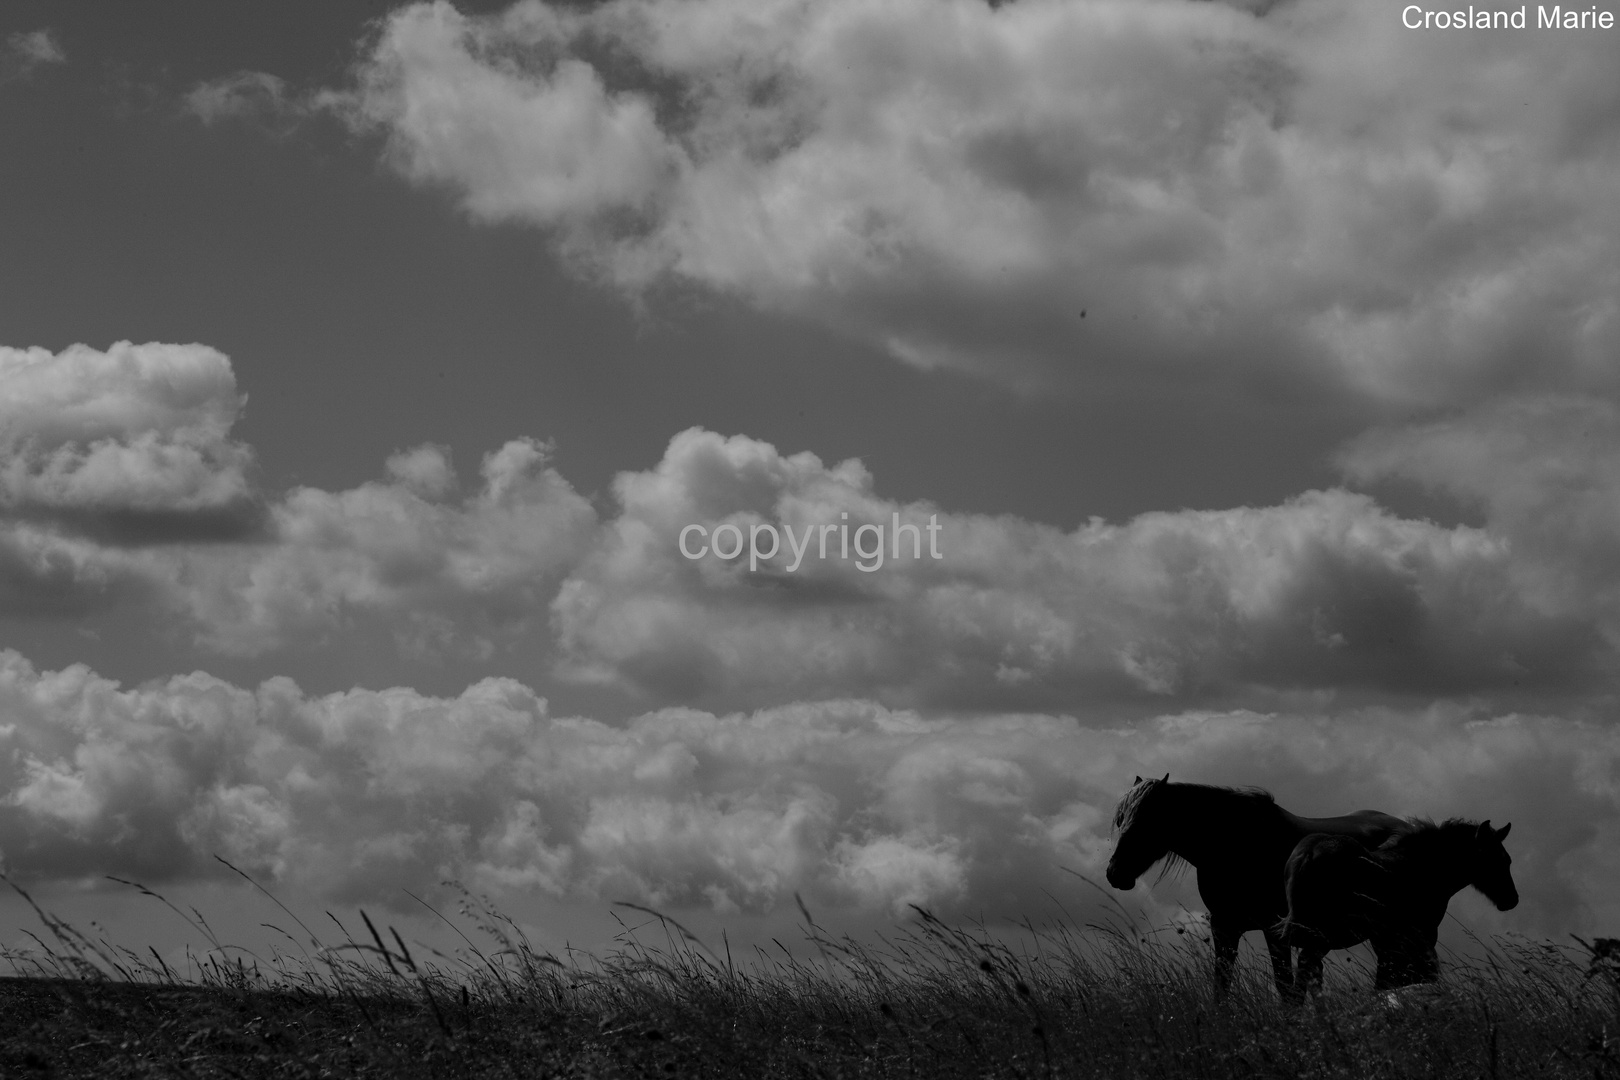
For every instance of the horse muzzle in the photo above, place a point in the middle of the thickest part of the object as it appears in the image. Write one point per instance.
(1119, 879)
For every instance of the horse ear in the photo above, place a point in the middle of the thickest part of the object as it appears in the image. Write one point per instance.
(1484, 827)
(1166, 779)
(1501, 834)
(1138, 780)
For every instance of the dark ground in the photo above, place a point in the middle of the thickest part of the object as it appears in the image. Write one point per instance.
(67, 1029)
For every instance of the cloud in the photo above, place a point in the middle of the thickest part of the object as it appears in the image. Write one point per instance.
(264, 101)
(863, 809)
(563, 146)
(137, 428)
(27, 51)
(436, 574)
(44, 573)
(1326, 592)
(1305, 193)
(243, 94)
(1546, 472)
(103, 453)
(425, 470)
(119, 482)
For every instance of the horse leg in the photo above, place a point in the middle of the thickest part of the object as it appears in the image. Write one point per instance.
(1393, 967)
(1309, 979)
(1406, 958)
(1427, 964)
(1424, 956)
(1282, 966)
(1399, 964)
(1226, 948)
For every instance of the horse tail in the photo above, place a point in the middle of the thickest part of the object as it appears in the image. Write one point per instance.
(1296, 883)
(1294, 932)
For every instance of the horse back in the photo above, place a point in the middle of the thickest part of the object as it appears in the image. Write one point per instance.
(1367, 827)
(1327, 884)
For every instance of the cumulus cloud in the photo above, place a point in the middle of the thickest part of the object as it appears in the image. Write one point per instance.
(1327, 591)
(137, 428)
(105, 452)
(564, 147)
(119, 479)
(438, 574)
(1546, 472)
(863, 809)
(425, 470)
(1039, 190)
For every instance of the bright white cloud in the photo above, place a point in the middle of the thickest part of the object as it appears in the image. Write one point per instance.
(543, 146)
(134, 428)
(863, 809)
(1305, 190)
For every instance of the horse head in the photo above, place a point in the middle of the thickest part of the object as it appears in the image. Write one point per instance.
(1492, 863)
(1143, 839)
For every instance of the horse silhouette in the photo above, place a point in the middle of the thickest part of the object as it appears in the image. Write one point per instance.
(1394, 895)
(1239, 841)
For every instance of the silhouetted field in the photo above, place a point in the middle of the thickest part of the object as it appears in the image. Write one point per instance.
(930, 1000)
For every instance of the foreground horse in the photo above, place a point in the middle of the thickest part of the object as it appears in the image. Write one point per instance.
(1341, 894)
(1239, 841)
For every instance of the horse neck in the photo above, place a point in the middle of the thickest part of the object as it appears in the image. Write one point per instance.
(1211, 821)
(1440, 864)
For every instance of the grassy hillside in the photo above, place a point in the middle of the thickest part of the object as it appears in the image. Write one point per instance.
(929, 1001)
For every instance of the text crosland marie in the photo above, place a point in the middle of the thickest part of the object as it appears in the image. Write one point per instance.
(1547, 17)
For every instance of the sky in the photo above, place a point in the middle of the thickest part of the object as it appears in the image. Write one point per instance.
(1226, 389)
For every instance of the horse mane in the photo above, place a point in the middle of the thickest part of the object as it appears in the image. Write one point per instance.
(1125, 812)
(1423, 834)
(1174, 865)
(1259, 795)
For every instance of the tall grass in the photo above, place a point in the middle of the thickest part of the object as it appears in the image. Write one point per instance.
(926, 1000)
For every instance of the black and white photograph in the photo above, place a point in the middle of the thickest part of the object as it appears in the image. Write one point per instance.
(809, 538)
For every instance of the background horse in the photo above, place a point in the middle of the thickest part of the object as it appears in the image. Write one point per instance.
(1239, 841)
(1341, 894)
